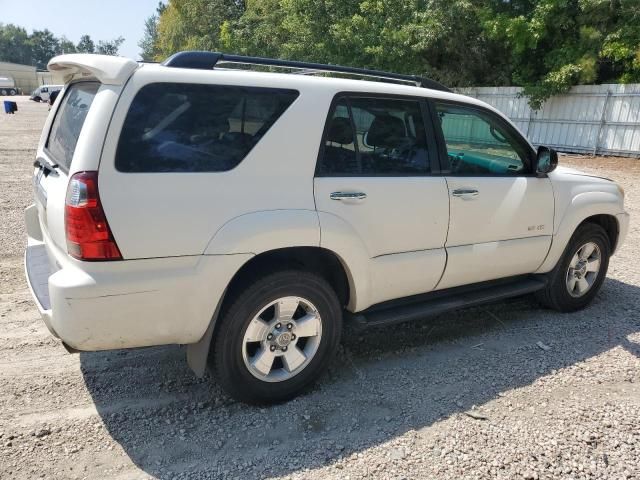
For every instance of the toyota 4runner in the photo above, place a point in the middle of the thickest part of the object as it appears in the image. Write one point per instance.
(245, 213)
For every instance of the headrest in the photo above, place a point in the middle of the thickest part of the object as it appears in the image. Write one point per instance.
(340, 131)
(385, 131)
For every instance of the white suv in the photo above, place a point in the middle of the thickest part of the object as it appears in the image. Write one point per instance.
(245, 213)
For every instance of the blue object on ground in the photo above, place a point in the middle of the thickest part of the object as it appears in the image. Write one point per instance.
(10, 107)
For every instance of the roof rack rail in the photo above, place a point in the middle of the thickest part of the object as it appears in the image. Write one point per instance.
(208, 60)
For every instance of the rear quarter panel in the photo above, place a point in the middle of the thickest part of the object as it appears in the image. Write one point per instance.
(173, 214)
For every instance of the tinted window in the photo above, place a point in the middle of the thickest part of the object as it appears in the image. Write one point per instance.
(340, 151)
(478, 142)
(178, 127)
(68, 122)
(374, 136)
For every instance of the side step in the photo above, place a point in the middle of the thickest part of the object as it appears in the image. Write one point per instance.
(435, 303)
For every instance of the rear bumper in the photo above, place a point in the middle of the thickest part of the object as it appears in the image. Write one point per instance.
(36, 267)
(124, 304)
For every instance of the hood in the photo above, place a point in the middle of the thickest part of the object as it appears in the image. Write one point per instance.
(572, 171)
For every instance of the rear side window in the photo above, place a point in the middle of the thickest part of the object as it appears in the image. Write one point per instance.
(69, 120)
(374, 137)
(179, 127)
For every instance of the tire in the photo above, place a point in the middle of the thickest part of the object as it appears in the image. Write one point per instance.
(237, 348)
(559, 293)
(3, 92)
(12, 92)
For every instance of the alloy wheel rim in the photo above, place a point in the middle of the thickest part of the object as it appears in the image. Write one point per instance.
(282, 339)
(583, 269)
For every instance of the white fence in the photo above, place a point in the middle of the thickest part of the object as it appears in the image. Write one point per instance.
(595, 119)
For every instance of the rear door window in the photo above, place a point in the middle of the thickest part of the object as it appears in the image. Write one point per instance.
(178, 127)
(375, 137)
(68, 122)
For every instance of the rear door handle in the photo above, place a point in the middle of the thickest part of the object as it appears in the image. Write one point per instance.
(348, 196)
(465, 192)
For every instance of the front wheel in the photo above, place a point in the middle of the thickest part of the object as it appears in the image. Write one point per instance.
(276, 337)
(577, 278)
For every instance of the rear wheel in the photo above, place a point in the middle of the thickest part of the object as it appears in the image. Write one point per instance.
(581, 271)
(12, 92)
(276, 337)
(3, 92)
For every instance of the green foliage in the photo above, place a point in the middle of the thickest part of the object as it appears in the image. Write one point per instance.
(86, 45)
(44, 45)
(149, 43)
(17, 46)
(14, 44)
(555, 44)
(194, 24)
(546, 46)
(66, 45)
(110, 47)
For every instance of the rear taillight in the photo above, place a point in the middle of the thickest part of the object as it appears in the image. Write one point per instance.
(88, 233)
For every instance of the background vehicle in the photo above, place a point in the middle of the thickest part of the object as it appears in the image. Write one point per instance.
(41, 94)
(8, 86)
(245, 213)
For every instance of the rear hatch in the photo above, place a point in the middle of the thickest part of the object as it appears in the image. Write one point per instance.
(54, 161)
(74, 134)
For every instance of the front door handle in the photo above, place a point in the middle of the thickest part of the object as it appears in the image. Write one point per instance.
(465, 192)
(348, 196)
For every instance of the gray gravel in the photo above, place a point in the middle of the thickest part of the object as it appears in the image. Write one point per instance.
(505, 391)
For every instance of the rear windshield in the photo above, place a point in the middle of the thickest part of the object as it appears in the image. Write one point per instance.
(68, 122)
(179, 127)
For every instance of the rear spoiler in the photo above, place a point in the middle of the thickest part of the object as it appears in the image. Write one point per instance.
(107, 69)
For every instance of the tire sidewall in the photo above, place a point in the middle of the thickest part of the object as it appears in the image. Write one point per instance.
(229, 363)
(586, 234)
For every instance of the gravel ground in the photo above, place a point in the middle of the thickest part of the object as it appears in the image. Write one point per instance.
(504, 391)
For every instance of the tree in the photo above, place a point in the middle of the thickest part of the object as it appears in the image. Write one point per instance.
(14, 44)
(546, 46)
(110, 47)
(555, 44)
(66, 46)
(44, 46)
(194, 24)
(86, 45)
(149, 41)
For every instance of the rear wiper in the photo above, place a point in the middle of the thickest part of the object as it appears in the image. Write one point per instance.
(45, 166)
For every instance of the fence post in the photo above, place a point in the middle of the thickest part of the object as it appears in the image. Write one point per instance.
(603, 119)
(529, 122)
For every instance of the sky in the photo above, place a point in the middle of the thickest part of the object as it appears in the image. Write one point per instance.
(101, 19)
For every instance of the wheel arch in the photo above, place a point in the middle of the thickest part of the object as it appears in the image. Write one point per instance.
(610, 225)
(316, 259)
(602, 215)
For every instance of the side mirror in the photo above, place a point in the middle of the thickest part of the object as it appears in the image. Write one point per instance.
(546, 160)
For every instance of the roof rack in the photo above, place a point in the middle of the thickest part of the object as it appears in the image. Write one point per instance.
(208, 60)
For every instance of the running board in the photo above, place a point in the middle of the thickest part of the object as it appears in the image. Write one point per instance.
(438, 302)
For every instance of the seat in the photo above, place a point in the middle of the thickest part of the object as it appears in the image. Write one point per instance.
(386, 131)
(394, 151)
(340, 158)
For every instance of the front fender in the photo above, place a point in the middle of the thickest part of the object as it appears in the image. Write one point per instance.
(581, 207)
